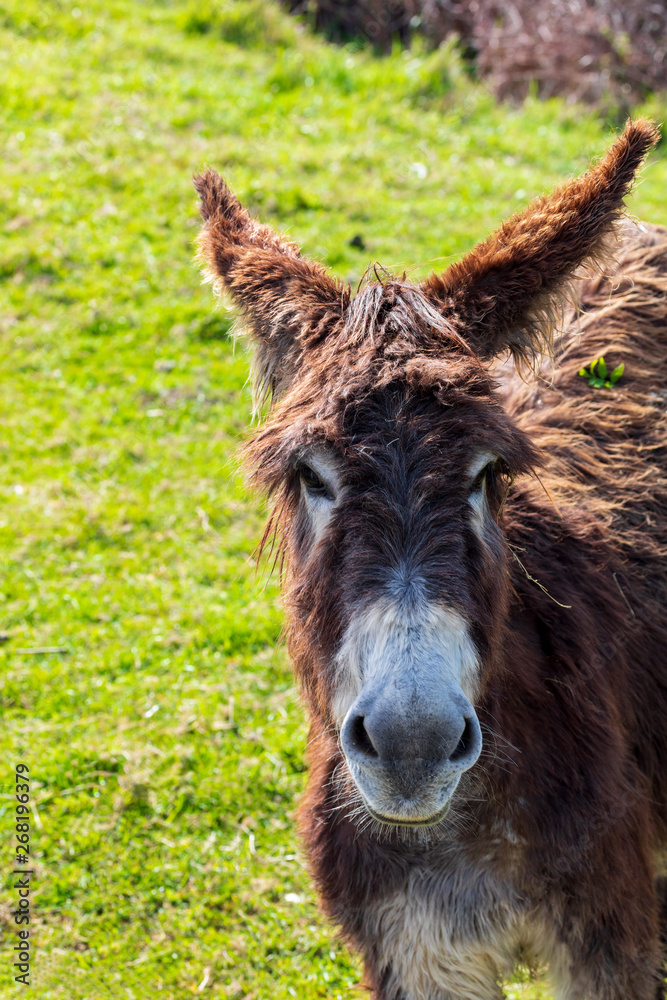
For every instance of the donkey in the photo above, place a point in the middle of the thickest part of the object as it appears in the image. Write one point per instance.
(475, 586)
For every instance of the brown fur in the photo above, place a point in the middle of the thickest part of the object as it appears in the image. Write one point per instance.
(552, 846)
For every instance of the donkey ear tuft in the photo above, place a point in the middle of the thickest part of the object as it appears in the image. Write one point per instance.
(229, 228)
(214, 195)
(289, 303)
(505, 293)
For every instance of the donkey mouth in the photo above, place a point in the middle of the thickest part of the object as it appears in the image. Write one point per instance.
(390, 814)
(404, 821)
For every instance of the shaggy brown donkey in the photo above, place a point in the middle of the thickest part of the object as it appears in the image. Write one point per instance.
(475, 582)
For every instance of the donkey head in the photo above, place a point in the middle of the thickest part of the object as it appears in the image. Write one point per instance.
(389, 457)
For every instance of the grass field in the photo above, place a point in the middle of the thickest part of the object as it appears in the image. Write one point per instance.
(165, 743)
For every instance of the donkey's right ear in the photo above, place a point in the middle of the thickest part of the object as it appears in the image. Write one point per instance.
(290, 303)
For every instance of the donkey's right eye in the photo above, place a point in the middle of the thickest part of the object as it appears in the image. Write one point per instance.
(312, 481)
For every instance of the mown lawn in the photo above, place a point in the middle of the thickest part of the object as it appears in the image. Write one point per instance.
(165, 743)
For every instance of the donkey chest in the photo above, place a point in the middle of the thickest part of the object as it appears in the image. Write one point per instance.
(454, 930)
(439, 919)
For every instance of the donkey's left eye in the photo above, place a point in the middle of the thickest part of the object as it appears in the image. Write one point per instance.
(485, 475)
(312, 481)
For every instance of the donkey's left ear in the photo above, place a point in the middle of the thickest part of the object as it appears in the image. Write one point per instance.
(504, 294)
(290, 303)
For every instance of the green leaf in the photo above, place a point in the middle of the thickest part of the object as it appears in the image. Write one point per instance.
(602, 368)
(607, 385)
(584, 373)
(616, 374)
(596, 382)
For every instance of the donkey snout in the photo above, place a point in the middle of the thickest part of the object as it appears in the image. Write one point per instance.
(406, 756)
(378, 737)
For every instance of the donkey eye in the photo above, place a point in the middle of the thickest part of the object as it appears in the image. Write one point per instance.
(484, 476)
(312, 481)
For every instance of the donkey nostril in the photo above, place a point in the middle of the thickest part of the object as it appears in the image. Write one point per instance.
(464, 744)
(360, 739)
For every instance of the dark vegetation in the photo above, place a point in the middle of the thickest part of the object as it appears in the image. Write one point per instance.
(610, 53)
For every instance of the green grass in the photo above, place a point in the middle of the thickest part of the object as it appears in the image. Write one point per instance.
(166, 744)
